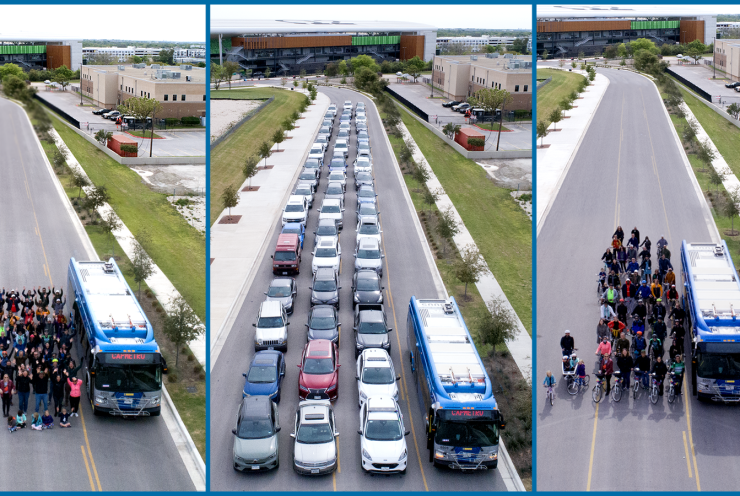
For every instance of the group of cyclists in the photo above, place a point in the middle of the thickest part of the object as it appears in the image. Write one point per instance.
(635, 300)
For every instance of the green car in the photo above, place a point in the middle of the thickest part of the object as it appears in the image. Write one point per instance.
(256, 435)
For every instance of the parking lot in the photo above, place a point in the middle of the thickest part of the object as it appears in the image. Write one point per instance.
(701, 75)
(69, 102)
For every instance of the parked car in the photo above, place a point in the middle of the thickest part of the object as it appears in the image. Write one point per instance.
(304, 189)
(733, 85)
(366, 287)
(343, 133)
(325, 287)
(315, 433)
(309, 176)
(368, 228)
(462, 107)
(342, 145)
(338, 163)
(327, 228)
(370, 328)
(363, 178)
(335, 191)
(338, 176)
(361, 126)
(344, 126)
(296, 210)
(295, 228)
(348, 105)
(382, 436)
(314, 165)
(102, 111)
(362, 164)
(323, 141)
(323, 323)
(451, 103)
(368, 255)
(362, 136)
(319, 375)
(287, 256)
(316, 152)
(256, 444)
(111, 115)
(366, 194)
(328, 253)
(325, 131)
(282, 289)
(265, 375)
(367, 210)
(272, 327)
(363, 149)
(332, 209)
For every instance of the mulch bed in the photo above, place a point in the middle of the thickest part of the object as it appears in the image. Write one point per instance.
(250, 188)
(233, 219)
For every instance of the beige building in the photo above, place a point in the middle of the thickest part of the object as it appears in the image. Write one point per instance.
(727, 57)
(459, 76)
(181, 91)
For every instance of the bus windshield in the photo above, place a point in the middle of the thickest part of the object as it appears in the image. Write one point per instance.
(470, 433)
(128, 378)
(718, 365)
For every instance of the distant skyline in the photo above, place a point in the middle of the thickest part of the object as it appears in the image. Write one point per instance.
(175, 23)
(497, 17)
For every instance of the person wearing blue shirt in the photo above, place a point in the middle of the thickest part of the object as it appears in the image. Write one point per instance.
(549, 380)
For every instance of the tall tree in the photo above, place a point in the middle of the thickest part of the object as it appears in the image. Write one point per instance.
(230, 198)
(181, 325)
(62, 76)
(229, 68)
(278, 137)
(542, 131)
(730, 208)
(142, 265)
(11, 69)
(414, 67)
(217, 74)
(495, 323)
(447, 226)
(110, 223)
(734, 110)
(555, 117)
(167, 57)
(470, 266)
(250, 169)
(265, 150)
(142, 108)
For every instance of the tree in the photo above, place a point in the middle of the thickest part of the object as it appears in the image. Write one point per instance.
(142, 265)
(415, 66)
(142, 108)
(490, 99)
(181, 325)
(565, 105)
(643, 44)
(11, 69)
(59, 158)
(343, 69)
(470, 266)
(167, 57)
(62, 76)
(730, 208)
(573, 64)
(313, 93)
(694, 53)
(302, 73)
(645, 60)
(555, 117)
(610, 52)
(230, 198)
(229, 68)
(542, 131)
(561, 63)
(267, 72)
(265, 150)
(544, 54)
(495, 323)
(217, 74)
(734, 110)
(581, 55)
(431, 197)
(331, 70)
(451, 129)
(96, 198)
(622, 50)
(288, 124)
(102, 136)
(447, 226)
(79, 180)
(101, 59)
(278, 137)
(519, 45)
(421, 174)
(250, 168)
(591, 76)
(363, 61)
(109, 224)
(705, 153)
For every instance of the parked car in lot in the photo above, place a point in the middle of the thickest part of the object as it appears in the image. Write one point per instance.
(295, 228)
(328, 253)
(332, 209)
(309, 176)
(327, 122)
(348, 105)
(335, 191)
(329, 116)
(733, 85)
(737, 88)
(314, 165)
(315, 433)
(256, 444)
(319, 376)
(343, 146)
(305, 190)
(383, 436)
(296, 210)
(323, 323)
(368, 255)
(344, 126)
(272, 327)
(265, 375)
(360, 119)
(287, 257)
(361, 126)
(370, 328)
(283, 290)
(363, 150)
(451, 103)
(367, 210)
(461, 108)
(368, 228)
(338, 176)
(111, 115)
(325, 287)
(366, 194)
(325, 131)
(362, 164)
(343, 134)
(366, 287)
(376, 375)
(338, 163)
(323, 141)
(316, 152)
(363, 178)
(327, 228)
(363, 137)
(102, 111)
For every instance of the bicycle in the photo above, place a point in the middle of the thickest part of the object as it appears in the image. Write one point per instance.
(598, 389)
(550, 394)
(672, 391)
(637, 386)
(654, 390)
(616, 392)
(576, 384)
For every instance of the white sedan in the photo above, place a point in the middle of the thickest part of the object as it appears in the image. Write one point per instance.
(383, 439)
(328, 253)
(376, 375)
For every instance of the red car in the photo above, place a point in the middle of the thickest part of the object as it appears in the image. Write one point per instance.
(319, 377)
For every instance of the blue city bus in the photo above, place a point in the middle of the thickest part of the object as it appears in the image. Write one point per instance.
(123, 363)
(712, 290)
(455, 394)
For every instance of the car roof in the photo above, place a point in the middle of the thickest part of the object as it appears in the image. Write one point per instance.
(376, 357)
(323, 310)
(367, 274)
(366, 186)
(327, 243)
(256, 407)
(368, 219)
(303, 185)
(317, 409)
(331, 201)
(306, 171)
(363, 158)
(324, 273)
(384, 403)
(336, 172)
(293, 225)
(335, 184)
(266, 357)
(271, 308)
(368, 243)
(288, 240)
(325, 221)
(320, 346)
(299, 199)
(282, 281)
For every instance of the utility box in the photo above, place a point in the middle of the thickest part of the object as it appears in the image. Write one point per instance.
(466, 133)
(120, 139)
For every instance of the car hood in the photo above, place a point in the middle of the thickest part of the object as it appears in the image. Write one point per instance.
(271, 332)
(368, 296)
(387, 390)
(372, 340)
(370, 263)
(324, 295)
(294, 215)
(325, 262)
(251, 449)
(314, 381)
(265, 389)
(315, 453)
(330, 334)
(384, 451)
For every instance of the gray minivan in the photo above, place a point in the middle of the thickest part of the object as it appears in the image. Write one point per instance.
(256, 435)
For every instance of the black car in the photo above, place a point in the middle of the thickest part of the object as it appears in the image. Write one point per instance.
(323, 323)
(733, 85)
(450, 104)
(366, 287)
(371, 329)
(102, 111)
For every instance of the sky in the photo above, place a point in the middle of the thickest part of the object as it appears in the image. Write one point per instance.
(132, 22)
(442, 16)
(677, 9)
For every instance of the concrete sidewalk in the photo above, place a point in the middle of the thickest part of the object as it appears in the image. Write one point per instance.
(237, 248)
(553, 161)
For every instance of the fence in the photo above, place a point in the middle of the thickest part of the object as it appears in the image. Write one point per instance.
(59, 111)
(239, 124)
(408, 104)
(691, 85)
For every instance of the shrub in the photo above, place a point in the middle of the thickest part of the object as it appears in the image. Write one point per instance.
(191, 358)
(476, 141)
(171, 121)
(197, 369)
(172, 378)
(190, 121)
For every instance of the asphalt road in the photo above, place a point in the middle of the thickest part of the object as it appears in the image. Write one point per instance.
(628, 171)
(406, 273)
(97, 453)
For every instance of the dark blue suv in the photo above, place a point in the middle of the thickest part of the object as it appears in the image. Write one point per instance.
(265, 375)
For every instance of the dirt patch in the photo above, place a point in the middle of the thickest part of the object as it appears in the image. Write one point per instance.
(509, 173)
(226, 113)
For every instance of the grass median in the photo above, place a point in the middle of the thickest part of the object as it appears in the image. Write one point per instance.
(550, 96)
(500, 228)
(176, 247)
(227, 159)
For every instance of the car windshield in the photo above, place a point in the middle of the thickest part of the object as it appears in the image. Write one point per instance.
(363, 162)
(369, 229)
(474, 434)
(318, 366)
(341, 146)
(368, 285)
(322, 323)
(325, 286)
(336, 176)
(327, 231)
(303, 192)
(269, 322)
(337, 163)
(294, 208)
(291, 230)
(367, 210)
(255, 429)
(372, 328)
(326, 252)
(310, 176)
(317, 149)
(364, 176)
(377, 375)
(366, 193)
(330, 209)
(373, 254)
(383, 430)
(314, 434)
(279, 291)
(262, 374)
(284, 256)
(334, 189)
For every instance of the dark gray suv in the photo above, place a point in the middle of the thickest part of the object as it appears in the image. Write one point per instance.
(371, 328)
(323, 323)
(366, 287)
(325, 288)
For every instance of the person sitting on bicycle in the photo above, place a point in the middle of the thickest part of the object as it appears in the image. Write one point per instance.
(656, 346)
(608, 257)
(643, 292)
(659, 312)
(549, 380)
(613, 278)
(567, 343)
(622, 343)
(610, 296)
(659, 329)
(581, 372)
(616, 327)
(606, 370)
(604, 348)
(662, 243)
(606, 311)
(660, 370)
(635, 278)
(656, 291)
(602, 281)
(678, 313)
(616, 243)
(672, 295)
(663, 265)
(633, 265)
(670, 277)
(622, 310)
(673, 351)
(678, 332)
(677, 369)
(602, 330)
(647, 267)
(625, 364)
(642, 366)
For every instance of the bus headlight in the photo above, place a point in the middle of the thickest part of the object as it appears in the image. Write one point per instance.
(439, 455)
(493, 456)
(156, 400)
(703, 385)
(99, 400)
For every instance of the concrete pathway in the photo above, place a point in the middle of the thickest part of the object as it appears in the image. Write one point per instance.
(553, 161)
(489, 288)
(236, 249)
(157, 282)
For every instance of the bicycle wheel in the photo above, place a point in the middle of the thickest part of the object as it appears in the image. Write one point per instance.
(586, 379)
(551, 394)
(635, 389)
(617, 392)
(596, 395)
(572, 386)
(671, 394)
(654, 395)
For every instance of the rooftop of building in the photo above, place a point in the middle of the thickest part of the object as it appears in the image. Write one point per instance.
(197, 74)
(237, 27)
(498, 64)
(623, 11)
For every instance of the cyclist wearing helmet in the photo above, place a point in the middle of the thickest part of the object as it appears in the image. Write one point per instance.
(670, 277)
(611, 295)
(567, 343)
(663, 265)
(616, 327)
(678, 332)
(640, 344)
(643, 292)
(606, 311)
(677, 368)
(659, 310)
(622, 310)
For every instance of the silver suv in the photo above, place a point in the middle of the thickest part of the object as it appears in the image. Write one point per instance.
(272, 327)
(315, 433)
(256, 435)
(368, 255)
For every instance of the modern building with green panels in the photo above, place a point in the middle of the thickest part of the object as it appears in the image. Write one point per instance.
(39, 54)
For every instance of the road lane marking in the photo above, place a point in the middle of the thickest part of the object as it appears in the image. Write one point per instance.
(400, 353)
(688, 458)
(339, 465)
(593, 446)
(334, 480)
(691, 437)
(87, 443)
(87, 466)
(619, 161)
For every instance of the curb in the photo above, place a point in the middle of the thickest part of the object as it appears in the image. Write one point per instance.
(199, 479)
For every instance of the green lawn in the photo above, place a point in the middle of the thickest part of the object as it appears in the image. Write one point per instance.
(143, 134)
(500, 228)
(491, 126)
(176, 247)
(227, 159)
(549, 97)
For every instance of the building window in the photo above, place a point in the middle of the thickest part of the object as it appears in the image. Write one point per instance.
(174, 98)
(183, 98)
(525, 87)
(516, 88)
(204, 98)
(148, 95)
(166, 97)
(121, 87)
